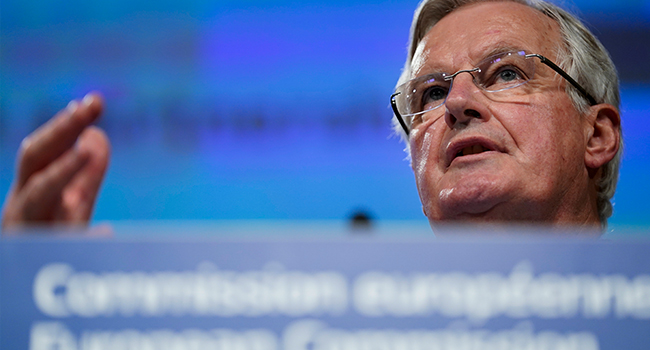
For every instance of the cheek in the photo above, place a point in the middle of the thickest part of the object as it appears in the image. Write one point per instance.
(421, 154)
(547, 134)
(424, 151)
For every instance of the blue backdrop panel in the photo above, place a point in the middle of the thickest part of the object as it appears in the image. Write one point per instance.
(258, 109)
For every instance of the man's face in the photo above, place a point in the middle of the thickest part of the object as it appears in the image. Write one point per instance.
(533, 169)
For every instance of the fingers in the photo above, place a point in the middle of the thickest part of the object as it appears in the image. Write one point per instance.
(40, 198)
(79, 196)
(60, 168)
(55, 137)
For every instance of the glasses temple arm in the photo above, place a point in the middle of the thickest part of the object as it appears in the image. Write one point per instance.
(393, 104)
(558, 70)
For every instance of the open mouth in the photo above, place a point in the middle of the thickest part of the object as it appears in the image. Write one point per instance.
(474, 149)
(470, 146)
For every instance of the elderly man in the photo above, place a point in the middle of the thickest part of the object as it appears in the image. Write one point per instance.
(496, 130)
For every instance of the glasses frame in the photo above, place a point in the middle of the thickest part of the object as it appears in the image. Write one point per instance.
(546, 61)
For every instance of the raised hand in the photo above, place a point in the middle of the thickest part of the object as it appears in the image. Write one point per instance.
(59, 169)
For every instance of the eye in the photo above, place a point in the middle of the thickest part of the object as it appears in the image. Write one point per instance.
(508, 75)
(425, 93)
(433, 96)
(503, 77)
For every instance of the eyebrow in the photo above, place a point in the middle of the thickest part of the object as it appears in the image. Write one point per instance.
(494, 49)
(499, 48)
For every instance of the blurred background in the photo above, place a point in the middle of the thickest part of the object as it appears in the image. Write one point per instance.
(260, 109)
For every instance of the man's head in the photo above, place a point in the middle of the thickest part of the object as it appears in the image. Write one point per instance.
(535, 151)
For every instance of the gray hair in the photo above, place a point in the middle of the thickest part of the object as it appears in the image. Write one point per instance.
(581, 55)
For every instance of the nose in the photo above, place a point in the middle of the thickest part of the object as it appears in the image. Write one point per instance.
(462, 104)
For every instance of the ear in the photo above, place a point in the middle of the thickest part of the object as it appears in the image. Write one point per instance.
(604, 135)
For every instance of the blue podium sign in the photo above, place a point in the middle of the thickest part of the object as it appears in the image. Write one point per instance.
(324, 294)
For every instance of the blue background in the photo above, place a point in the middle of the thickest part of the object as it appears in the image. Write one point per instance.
(274, 110)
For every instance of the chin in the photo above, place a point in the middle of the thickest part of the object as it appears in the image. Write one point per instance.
(500, 211)
(467, 200)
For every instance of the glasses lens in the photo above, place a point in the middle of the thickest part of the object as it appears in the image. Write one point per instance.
(505, 71)
(496, 73)
(422, 94)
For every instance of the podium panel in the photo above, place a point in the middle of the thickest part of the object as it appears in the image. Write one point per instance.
(324, 294)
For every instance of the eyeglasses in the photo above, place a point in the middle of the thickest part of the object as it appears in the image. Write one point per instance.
(505, 71)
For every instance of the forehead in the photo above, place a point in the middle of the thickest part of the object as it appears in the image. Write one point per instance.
(469, 33)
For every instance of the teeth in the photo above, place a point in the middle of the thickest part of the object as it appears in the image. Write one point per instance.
(471, 150)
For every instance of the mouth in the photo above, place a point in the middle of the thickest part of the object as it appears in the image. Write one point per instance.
(469, 150)
(469, 147)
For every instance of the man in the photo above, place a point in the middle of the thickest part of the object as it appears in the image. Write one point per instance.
(496, 131)
(517, 139)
